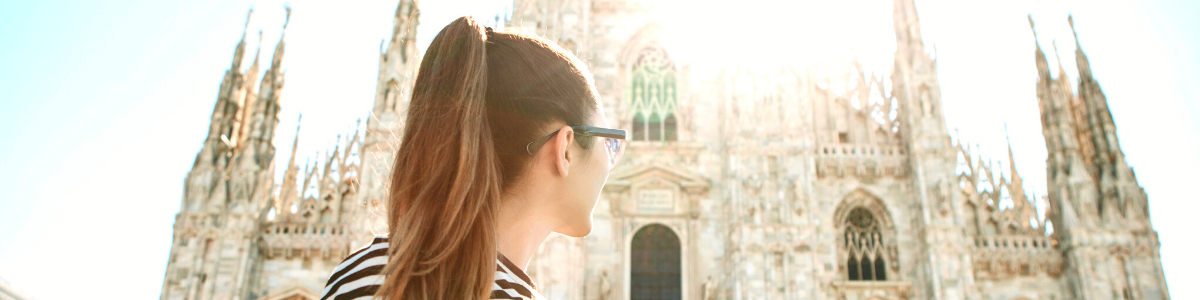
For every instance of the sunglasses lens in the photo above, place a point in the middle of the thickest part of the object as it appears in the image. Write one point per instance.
(614, 148)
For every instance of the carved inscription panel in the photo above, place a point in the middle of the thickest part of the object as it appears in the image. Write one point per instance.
(656, 201)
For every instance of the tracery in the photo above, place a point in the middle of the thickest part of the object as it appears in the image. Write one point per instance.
(653, 97)
(864, 247)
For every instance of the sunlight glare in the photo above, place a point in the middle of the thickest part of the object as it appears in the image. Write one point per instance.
(795, 33)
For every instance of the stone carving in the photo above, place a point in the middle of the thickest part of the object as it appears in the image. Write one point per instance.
(708, 289)
(605, 291)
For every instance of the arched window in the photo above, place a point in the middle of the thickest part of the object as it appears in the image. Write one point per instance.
(326, 216)
(669, 128)
(653, 96)
(864, 247)
(639, 126)
(655, 264)
(655, 125)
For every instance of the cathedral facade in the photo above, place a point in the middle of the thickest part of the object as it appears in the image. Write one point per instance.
(738, 184)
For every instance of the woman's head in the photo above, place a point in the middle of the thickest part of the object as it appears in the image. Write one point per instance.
(479, 127)
(536, 88)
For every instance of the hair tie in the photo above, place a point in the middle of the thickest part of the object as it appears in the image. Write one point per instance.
(489, 31)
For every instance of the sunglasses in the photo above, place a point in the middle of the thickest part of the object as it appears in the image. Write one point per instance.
(613, 139)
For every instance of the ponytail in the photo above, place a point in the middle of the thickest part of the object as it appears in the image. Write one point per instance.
(446, 181)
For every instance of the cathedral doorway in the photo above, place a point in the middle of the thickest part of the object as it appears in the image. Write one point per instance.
(655, 264)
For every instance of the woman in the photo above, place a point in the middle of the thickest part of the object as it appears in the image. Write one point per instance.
(505, 142)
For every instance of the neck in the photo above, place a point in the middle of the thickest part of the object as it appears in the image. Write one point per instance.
(518, 231)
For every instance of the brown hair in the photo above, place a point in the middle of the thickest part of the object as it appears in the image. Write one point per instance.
(479, 97)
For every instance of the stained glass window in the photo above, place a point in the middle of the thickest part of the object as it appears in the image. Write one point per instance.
(864, 247)
(653, 96)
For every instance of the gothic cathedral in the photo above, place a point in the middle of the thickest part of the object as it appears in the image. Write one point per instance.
(742, 184)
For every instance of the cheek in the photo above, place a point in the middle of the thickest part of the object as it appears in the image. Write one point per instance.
(597, 174)
(600, 167)
(599, 179)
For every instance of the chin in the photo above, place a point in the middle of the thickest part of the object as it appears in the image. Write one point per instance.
(577, 230)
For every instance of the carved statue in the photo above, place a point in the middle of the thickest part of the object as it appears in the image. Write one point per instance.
(389, 99)
(707, 289)
(605, 286)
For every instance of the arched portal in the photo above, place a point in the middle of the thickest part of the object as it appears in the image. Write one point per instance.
(655, 264)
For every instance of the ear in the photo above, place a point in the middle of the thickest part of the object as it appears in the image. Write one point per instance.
(559, 145)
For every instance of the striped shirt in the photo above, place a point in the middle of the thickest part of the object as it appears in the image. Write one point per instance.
(359, 276)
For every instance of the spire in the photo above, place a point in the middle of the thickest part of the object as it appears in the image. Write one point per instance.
(238, 95)
(398, 62)
(277, 58)
(1085, 69)
(295, 142)
(1027, 209)
(273, 80)
(227, 109)
(1062, 73)
(404, 29)
(1012, 164)
(309, 173)
(247, 25)
(262, 114)
(287, 190)
(266, 110)
(405, 23)
(253, 73)
(1118, 185)
(907, 26)
(250, 104)
(1039, 56)
(240, 51)
(1095, 105)
(330, 157)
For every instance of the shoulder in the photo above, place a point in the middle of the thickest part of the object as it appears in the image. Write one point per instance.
(512, 283)
(360, 274)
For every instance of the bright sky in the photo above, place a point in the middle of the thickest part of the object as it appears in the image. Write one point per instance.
(104, 104)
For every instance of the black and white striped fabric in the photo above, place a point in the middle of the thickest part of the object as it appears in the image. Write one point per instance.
(358, 277)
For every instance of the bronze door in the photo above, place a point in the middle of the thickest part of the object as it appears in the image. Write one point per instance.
(655, 264)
